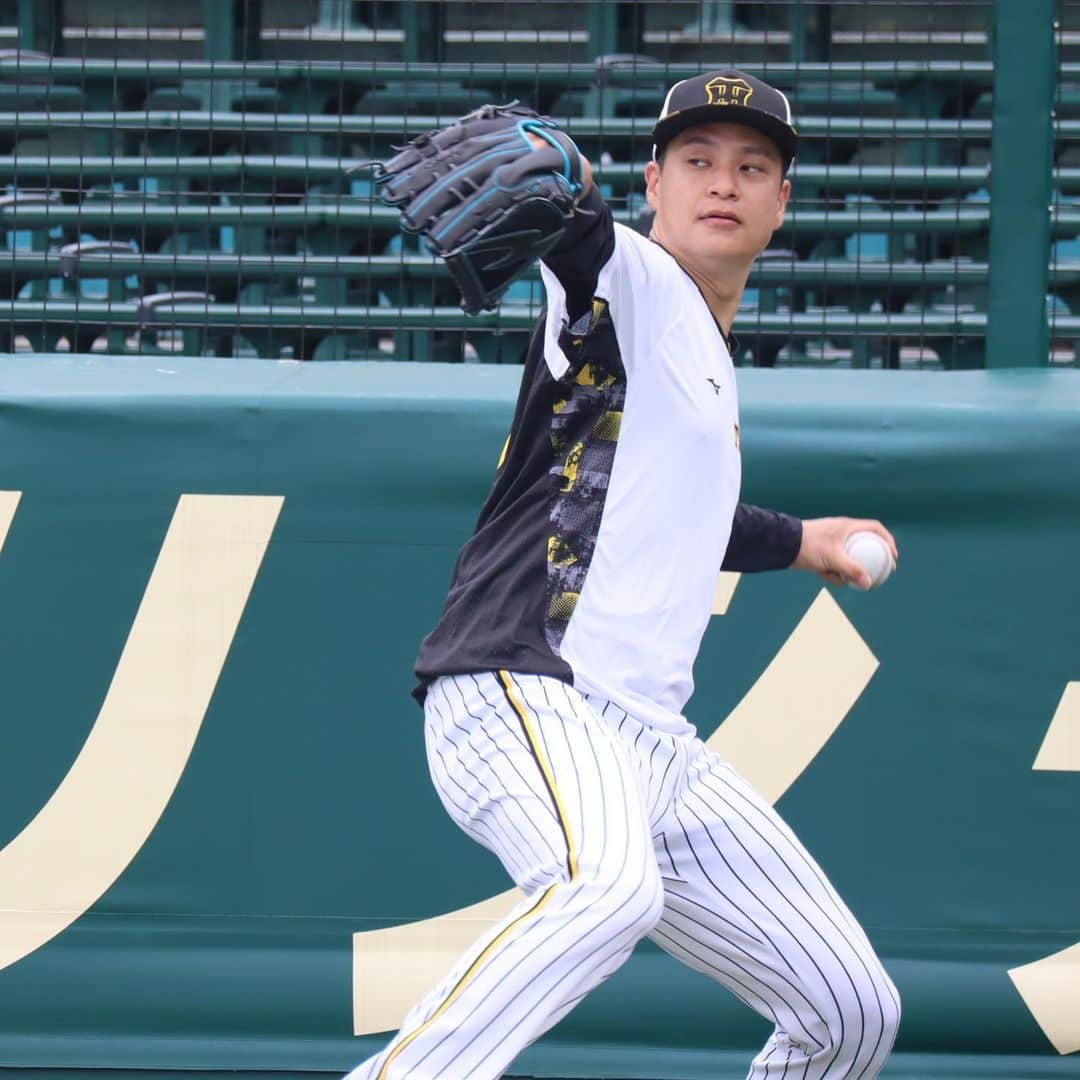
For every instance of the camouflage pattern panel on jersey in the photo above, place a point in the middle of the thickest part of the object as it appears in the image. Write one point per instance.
(584, 433)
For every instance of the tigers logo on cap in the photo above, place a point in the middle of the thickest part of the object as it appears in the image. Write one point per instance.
(727, 96)
(724, 90)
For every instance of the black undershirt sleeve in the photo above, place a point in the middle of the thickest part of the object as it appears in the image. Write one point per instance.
(580, 255)
(762, 540)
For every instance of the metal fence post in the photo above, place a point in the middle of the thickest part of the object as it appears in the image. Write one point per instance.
(233, 32)
(40, 26)
(424, 25)
(1025, 80)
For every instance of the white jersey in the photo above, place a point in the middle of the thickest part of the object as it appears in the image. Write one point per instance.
(596, 556)
(646, 599)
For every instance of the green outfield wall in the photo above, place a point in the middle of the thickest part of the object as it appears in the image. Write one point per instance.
(219, 849)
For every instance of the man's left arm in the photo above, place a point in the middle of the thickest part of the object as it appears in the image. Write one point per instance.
(768, 540)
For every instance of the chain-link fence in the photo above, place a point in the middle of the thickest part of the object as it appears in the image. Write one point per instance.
(181, 177)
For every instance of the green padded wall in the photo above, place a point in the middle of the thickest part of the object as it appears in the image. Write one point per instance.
(303, 814)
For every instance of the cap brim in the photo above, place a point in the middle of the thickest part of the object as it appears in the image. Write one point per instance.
(785, 138)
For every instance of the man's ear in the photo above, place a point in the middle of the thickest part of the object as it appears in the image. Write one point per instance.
(652, 180)
(781, 202)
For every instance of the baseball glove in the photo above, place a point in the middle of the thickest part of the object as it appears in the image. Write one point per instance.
(484, 197)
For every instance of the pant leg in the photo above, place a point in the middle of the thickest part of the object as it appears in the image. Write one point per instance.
(746, 904)
(526, 767)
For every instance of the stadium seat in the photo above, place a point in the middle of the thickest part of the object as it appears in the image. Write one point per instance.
(230, 174)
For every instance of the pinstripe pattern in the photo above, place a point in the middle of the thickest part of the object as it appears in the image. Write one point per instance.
(746, 904)
(616, 831)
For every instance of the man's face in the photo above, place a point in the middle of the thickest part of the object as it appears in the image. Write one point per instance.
(720, 194)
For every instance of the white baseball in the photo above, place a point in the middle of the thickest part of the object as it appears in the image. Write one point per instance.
(872, 554)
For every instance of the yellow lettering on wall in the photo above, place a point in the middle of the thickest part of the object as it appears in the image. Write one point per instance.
(9, 502)
(725, 590)
(1061, 746)
(799, 700)
(107, 805)
(1050, 987)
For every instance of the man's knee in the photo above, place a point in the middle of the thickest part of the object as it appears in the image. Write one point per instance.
(860, 1023)
(892, 1006)
(624, 903)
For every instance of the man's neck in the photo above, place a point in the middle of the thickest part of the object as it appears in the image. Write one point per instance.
(722, 294)
(721, 287)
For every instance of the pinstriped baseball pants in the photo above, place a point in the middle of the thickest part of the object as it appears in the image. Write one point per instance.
(615, 832)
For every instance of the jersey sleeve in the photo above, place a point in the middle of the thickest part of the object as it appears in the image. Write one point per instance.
(632, 278)
(582, 252)
(762, 540)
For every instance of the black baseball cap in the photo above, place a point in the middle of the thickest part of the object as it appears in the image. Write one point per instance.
(730, 95)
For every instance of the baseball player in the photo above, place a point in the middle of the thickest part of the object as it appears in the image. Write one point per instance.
(554, 684)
